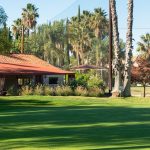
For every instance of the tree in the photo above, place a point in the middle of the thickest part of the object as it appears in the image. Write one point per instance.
(16, 28)
(5, 41)
(3, 16)
(117, 63)
(22, 25)
(128, 54)
(140, 72)
(99, 24)
(48, 43)
(29, 16)
(144, 46)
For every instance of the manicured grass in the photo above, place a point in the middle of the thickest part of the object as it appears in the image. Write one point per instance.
(74, 123)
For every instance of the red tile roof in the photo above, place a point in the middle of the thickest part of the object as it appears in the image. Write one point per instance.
(24, 64)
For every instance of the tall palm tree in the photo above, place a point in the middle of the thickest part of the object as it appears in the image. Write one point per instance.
(29, 16)
(75, 37)
(117, 63)
(144, 45)
(99, 24)
(128, 54)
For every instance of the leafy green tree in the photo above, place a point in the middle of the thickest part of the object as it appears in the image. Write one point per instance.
(3, 16)
(5, 38)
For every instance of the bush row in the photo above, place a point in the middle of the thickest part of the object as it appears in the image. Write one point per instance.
(61, 91)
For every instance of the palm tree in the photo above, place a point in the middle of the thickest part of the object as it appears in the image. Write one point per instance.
(128, 54)
(99, 24)
(144, 45)
(74, 28)
(16, 28)
(17, 31)
(80, 39)
(117, 63)
(29, 16)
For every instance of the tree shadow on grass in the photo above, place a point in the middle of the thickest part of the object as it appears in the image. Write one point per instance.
(90, 126)
(19, 102)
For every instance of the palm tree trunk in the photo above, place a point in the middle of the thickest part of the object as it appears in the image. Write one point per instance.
(97, 53)
(98, 38)
(67, 57)
(22, 40)
(28, 32)
(127, 71)
(79, 59)
(117, 63)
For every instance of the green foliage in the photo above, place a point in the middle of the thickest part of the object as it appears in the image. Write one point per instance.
(144, 46)
(13, 91)
(5, 41)
(55, 42)
(80, 91)
(95, 81)
(88, 80)
(80, 80)
(3, 16)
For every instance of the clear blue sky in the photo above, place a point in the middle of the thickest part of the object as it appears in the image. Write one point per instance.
(56, 9)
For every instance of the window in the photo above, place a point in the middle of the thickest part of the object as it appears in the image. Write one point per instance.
(53, 80)
(24, 81)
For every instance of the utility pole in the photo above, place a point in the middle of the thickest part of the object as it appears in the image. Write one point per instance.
(110, 49)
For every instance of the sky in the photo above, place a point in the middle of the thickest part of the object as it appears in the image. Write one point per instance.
(50, 10)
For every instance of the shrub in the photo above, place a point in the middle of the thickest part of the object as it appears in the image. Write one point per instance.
(81, 80)
(81, 91)
(38, 90)
(63, 91)
(13, 91)
(26, 90)
(48, 91)
(95, 81)
(95, 92)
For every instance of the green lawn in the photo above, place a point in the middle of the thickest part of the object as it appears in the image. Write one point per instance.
(73, 123)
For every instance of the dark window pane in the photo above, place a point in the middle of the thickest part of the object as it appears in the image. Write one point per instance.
(53, 80)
